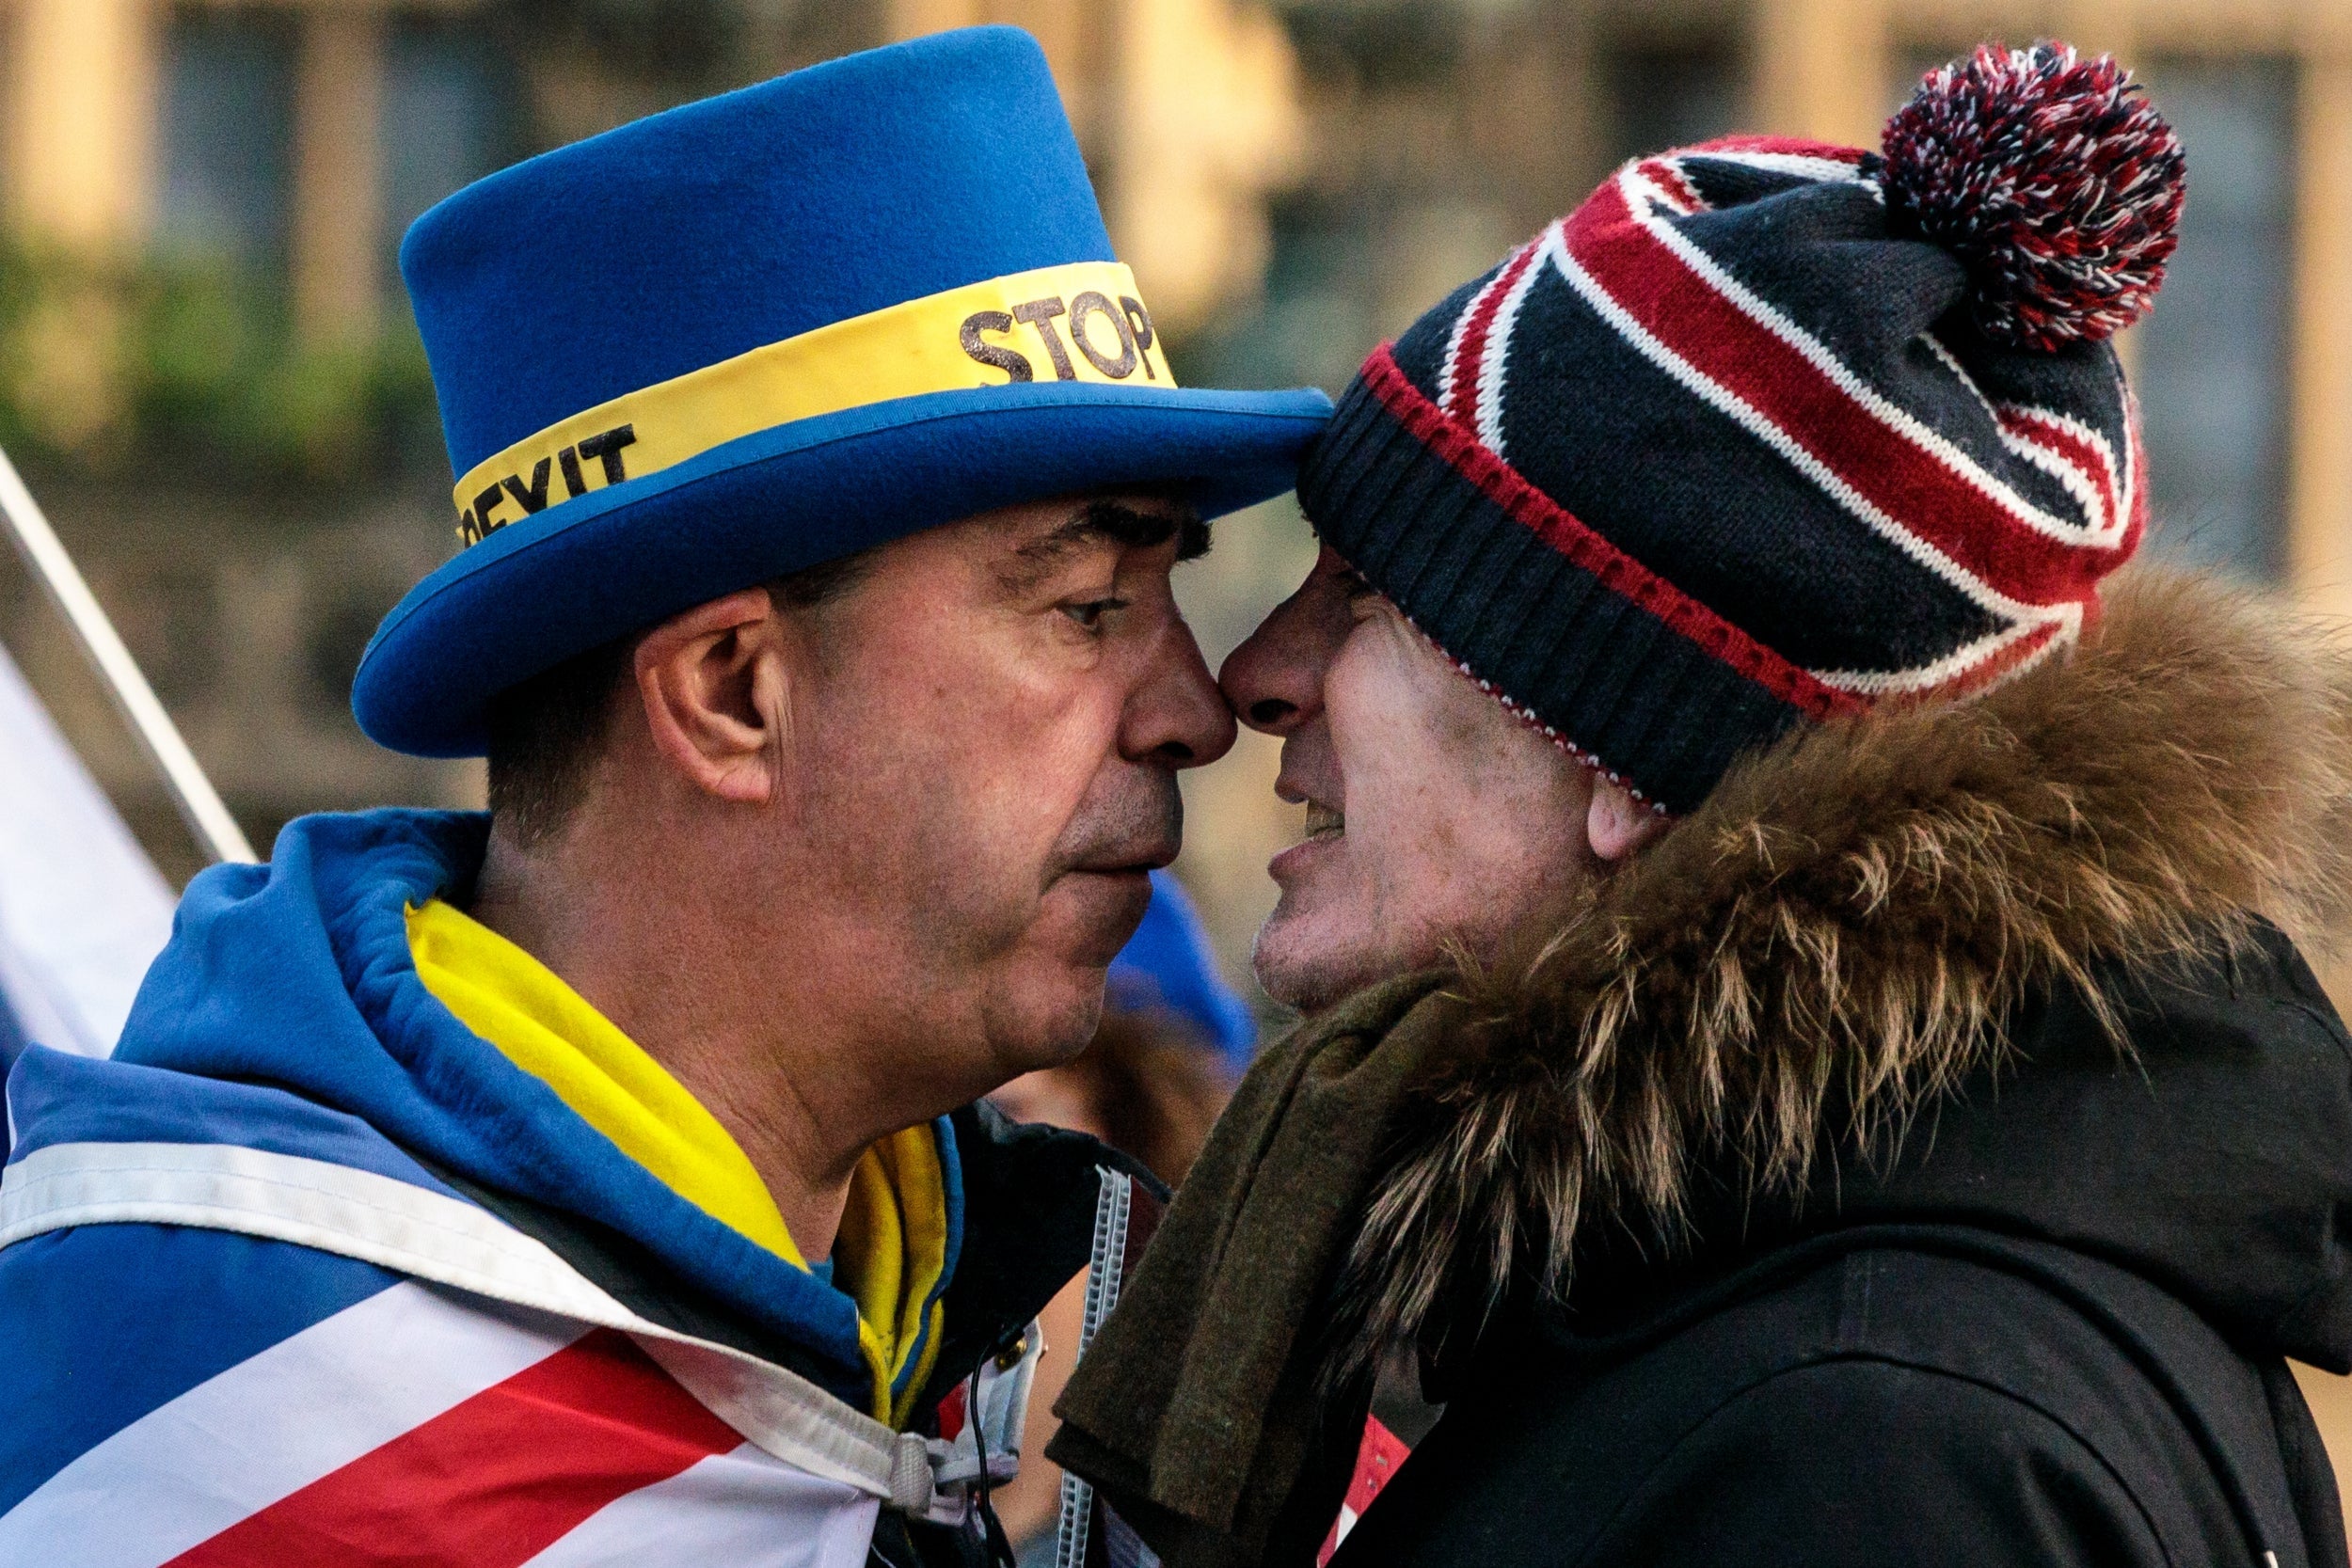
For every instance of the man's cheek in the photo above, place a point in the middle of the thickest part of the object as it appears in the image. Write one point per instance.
(1389, 688)
(1050, 766)
(965, 897)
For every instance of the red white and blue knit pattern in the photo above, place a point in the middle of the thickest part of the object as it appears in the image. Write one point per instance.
(1724, 451)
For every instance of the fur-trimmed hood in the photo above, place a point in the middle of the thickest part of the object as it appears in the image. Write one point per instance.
(1845, 935)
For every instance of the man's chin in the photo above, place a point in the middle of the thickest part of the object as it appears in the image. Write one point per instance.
(1305, 961)
(1046, 1021)
(1089, 915)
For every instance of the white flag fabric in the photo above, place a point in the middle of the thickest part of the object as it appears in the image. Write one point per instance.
(83, 911)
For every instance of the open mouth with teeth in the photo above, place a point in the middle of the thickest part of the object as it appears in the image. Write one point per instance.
(1324, 822)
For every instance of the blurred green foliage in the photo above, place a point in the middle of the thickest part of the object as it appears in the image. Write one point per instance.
(112, 367)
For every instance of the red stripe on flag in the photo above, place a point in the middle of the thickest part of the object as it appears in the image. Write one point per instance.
(1462, 397)
(1888, 469)
(1379, 1458)
(1617, 571)
(493, 1481)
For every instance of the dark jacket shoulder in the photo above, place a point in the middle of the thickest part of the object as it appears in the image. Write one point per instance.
(1898, 1398)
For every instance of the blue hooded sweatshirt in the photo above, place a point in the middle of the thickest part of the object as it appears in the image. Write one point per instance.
(286, 1016)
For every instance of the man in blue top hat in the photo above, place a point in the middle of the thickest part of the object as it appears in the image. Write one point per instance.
(599, 1180)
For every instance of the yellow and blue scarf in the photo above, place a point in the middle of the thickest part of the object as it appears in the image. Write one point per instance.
(891, 1256)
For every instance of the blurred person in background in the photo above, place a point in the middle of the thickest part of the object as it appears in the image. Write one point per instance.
(1173, 1039)
(1807, 1056)
(604, 1177)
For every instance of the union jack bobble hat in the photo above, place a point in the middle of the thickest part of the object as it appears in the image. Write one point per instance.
(1770, 431)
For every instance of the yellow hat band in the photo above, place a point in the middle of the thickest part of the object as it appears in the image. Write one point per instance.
(1082, 322)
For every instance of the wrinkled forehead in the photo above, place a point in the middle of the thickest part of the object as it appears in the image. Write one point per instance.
(1027, 543)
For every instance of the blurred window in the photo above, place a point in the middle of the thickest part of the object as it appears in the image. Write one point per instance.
(228, 134)
(1319, 315)
(1357, 262)
(2212, 358)
(1671, 96)
(444, 119)
(1377, 45)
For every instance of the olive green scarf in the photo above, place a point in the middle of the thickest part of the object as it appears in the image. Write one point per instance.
(1197, 1410)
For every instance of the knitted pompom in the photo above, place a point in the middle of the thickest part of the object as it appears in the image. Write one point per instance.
(2055, 182)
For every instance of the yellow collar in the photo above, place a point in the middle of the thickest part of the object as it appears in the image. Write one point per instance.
(892, 1250)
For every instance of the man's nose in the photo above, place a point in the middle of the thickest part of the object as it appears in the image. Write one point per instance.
(1177, 718)
(1274, 680)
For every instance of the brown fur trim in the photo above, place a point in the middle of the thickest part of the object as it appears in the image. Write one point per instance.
(1847, 922)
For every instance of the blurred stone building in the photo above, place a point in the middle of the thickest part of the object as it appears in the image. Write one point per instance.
(1441, 132)
(1292, 180)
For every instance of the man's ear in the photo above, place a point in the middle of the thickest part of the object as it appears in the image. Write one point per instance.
(712, 682)
(1617, 824)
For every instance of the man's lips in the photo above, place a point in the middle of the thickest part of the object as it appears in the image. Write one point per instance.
(1137, 861)
(1326, 827)
(1310, 785)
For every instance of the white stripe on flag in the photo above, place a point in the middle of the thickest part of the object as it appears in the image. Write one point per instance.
(396, 1225)
(273, 1423)
(741, 1509)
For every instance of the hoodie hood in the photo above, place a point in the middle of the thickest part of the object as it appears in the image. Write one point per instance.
(2024, 962)
(287, 1013)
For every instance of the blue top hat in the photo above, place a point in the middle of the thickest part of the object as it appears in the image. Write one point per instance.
(768, 330)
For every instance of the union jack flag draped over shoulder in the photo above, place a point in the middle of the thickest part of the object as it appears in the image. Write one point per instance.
(307, 1272)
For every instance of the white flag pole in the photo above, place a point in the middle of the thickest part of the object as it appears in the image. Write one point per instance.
(215, 830)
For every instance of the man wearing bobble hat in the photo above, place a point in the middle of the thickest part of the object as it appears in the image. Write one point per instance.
(1808, 1060)
(601, 1181)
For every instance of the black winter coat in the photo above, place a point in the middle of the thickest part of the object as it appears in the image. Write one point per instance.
(1977, 1359)
(1926, 1151)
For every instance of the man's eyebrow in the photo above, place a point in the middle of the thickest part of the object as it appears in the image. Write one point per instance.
(1110, 521)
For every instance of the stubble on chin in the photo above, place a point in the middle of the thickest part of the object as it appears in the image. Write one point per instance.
(1310, 961)
(1128, 816)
